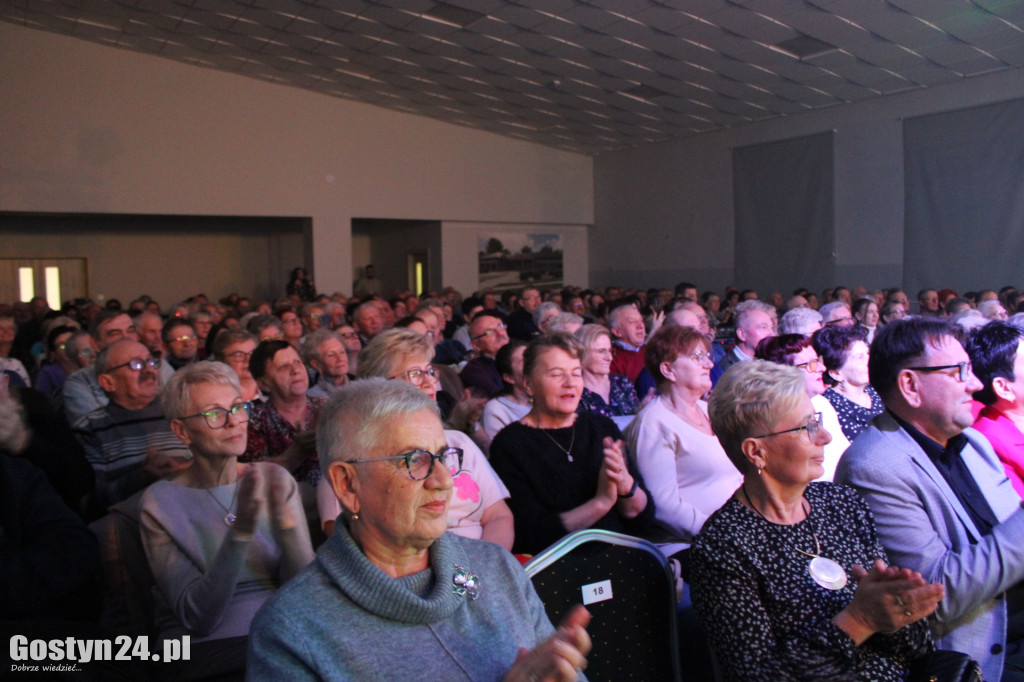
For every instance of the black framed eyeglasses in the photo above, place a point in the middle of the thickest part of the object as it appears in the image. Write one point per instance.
(217, 417)
(420, 463)
(812, 427)
(137, 364)
(963, 370)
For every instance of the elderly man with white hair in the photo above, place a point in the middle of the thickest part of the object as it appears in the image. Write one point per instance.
(567, 323)
(804, 321)
(754, 322)
(837, 313)
(969, 320)
(992, 310)
(543, 313)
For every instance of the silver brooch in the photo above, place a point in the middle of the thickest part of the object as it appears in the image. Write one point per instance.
(464, 582)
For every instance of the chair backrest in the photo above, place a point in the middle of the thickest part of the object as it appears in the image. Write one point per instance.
(127, 579)
(628, 587)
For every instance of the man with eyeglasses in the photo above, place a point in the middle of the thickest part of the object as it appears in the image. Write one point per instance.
(837, 314)
(82, 390)
(182, 344)
(941, 500)
(128, 441)
(487, 334)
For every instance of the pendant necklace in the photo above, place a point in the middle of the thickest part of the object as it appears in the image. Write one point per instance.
(699, 423)
(572, 441)
(229, 518)
(824, 571)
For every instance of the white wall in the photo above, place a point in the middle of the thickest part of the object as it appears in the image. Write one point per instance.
(167, 261)
(94, 129)
(664, 213)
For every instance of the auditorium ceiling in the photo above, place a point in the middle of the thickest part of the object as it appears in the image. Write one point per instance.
(586, 76)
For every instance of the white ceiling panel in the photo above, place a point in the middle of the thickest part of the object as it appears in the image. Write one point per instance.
(582, 75)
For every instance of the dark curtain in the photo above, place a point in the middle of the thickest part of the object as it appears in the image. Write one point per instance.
(783, 199)
(964, 188)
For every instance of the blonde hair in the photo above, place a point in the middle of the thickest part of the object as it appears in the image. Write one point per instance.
(176, 399)
(385, 349)
(749, 399)
(587, 335)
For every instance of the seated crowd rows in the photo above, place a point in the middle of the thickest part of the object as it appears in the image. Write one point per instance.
(229, 433)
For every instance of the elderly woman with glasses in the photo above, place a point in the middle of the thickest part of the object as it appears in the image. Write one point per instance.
(797, 350)
(845, 353)
(688, 474)
(605, 393)
(392, 594)
(291, 326)
(789, 576)
(477, 509)
(220, 536)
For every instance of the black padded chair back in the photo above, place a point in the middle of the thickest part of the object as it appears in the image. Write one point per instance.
(628, 587)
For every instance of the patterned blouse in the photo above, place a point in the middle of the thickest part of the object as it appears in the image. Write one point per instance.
(622, 395)
(852, 417)
(766, 617)
(270, 434)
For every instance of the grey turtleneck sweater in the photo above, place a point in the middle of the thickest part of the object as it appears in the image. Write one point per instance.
(343, 618)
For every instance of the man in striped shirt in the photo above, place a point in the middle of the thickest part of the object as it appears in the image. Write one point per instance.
(128, 441)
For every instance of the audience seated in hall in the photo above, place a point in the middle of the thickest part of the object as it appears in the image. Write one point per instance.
(122, 441)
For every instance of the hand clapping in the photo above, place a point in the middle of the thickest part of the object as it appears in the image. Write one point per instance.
(614, 469)
(560, 657)
(889, 598)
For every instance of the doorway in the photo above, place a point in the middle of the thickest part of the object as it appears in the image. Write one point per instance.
(55, 279)
(405, 254)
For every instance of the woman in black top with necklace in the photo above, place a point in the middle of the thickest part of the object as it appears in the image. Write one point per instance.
(565, 471)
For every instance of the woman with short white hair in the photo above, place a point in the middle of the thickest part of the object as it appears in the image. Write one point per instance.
(391, 594)
(478, 509)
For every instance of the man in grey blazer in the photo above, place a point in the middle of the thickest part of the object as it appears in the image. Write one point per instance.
(941, 501)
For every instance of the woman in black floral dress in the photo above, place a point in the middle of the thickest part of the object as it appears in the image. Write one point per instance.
(844, 350)
(778, 572)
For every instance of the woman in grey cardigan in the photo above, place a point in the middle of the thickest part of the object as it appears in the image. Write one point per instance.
(391, 595)
(220, 536)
